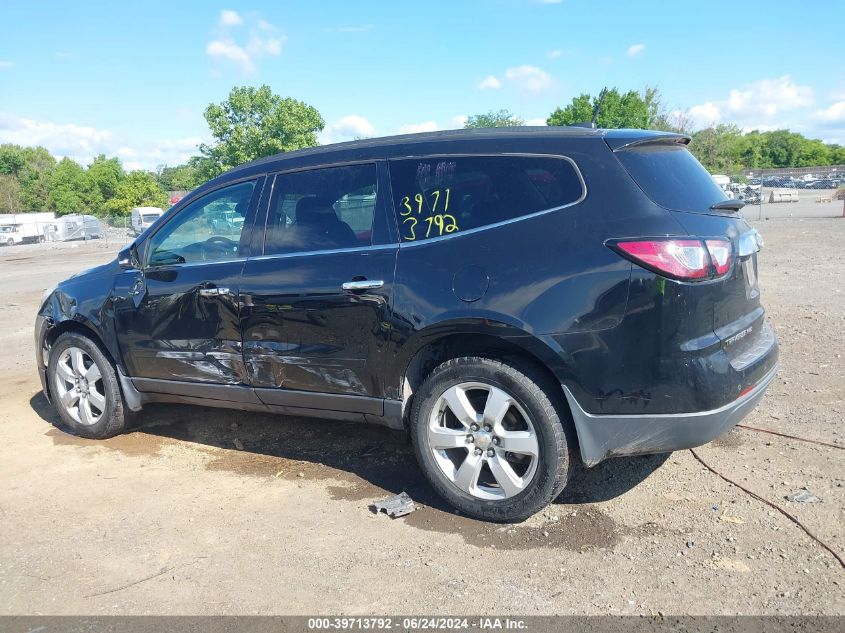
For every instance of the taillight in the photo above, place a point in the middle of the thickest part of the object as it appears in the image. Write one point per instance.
(684, 259)
(720, 255)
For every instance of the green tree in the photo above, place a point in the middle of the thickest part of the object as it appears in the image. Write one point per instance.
(616, 110)
(182, 177)
(10, 194)
(105, 175)
(494, 118)
(254, 122)
(69, 189)
(718, 148)
(35, 178)
(12, 160)
(138, 189)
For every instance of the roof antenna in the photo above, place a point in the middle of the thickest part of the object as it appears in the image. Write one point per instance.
(596, 112)
(597, 109)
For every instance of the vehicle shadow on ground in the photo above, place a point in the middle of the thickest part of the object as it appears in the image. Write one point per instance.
(370, 461)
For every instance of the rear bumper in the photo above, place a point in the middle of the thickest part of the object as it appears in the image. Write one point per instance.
(603, 436)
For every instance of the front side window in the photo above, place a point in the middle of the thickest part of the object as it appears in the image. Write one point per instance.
(321, 209)
(207, 230)
(440, 196)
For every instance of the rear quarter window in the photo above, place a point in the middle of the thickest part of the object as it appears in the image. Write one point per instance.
(671, 176)
(440, 196)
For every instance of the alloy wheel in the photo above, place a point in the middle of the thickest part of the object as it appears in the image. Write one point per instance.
(79, 386)
(483, 441)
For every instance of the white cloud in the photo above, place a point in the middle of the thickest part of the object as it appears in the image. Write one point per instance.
(82, 143)
(230, 18)
(227, 49)
(414, 128)
(758, 105)
(489, 83)
(833, 114)
(230, 47)
(529, 78)
(635, 49)
(768, 97)
(347, 128)
(460, 120)
(536, 121)
(5, 63)
(705, 114)
(554, 54)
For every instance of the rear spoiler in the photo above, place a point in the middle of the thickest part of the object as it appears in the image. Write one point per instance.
(626, 139)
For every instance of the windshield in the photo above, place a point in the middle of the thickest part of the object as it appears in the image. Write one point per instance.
(150, 217)
(671, 176)
(5, 229)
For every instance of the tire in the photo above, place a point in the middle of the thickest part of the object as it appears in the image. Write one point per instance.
(101, 413)
(509, 485)
(10, 242)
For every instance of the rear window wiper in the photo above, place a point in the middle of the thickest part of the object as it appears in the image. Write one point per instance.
(728, 205)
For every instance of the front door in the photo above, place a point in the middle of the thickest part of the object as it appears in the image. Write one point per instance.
(177, 318)
(316, 304)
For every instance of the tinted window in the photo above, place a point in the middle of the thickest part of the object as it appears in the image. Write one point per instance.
(321, 209)
(207, 230)
(439, 196)
(671, 176)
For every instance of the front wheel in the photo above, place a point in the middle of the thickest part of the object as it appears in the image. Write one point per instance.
(85, 389)
(490, 439)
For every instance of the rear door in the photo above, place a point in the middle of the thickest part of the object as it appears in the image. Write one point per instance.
(177, 318)
(316, 303)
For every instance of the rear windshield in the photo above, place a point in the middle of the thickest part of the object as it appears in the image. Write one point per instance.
(671, 177)
(150, 217)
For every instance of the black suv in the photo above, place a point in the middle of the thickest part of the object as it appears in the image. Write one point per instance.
(514, 299)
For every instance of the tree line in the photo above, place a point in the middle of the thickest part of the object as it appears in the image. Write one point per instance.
(254, 122)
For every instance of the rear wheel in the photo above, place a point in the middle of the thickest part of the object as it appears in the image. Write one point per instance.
(85, 389)
(489, 438)
(10, 242)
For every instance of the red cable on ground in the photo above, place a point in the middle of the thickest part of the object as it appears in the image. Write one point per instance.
(792, 437)
(772, 505)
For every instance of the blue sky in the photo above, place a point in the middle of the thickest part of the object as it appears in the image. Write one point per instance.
(132, 79)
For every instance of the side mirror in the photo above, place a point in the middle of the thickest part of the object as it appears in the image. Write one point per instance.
(127, 259)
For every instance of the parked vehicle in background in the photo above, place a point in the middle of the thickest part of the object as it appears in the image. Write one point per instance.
(142, 218)
(24, 228)
(74, 227)
(515, 299)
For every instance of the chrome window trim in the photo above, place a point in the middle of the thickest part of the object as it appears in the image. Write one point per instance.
(330, 251)
(502, 222)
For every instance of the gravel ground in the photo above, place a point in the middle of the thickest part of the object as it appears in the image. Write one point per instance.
(174, 519)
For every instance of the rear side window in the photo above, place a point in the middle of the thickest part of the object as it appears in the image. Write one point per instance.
(445, 195)
(671, 176)
(321, 209)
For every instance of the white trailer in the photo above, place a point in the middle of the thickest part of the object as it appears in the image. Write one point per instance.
(21, 228)
(74, 227)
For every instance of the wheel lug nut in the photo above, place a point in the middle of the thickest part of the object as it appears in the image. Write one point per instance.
(488, 428)
(490, 452)
(496, 441)
(469, 439)
(473, 427)
(478, 451)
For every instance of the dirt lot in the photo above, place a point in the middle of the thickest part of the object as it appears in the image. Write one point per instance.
(172, 519)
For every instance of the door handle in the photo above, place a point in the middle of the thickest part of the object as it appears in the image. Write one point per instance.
(213, 292)
(363, 284)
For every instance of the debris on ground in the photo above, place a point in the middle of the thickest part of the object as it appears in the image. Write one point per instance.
(731, 519)
(396, 506)
(238, 444)
(803, 496)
